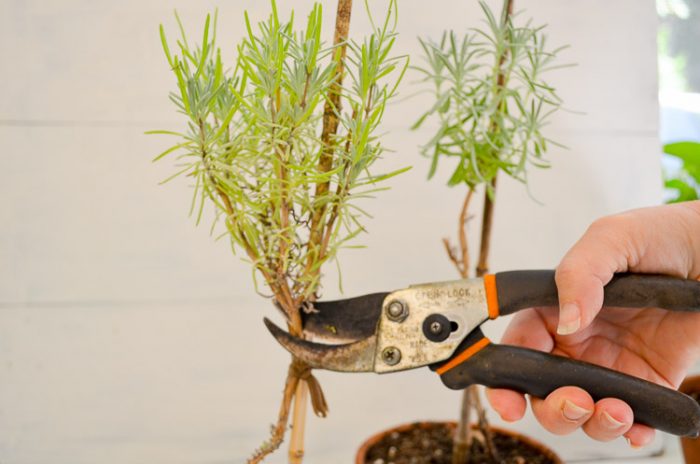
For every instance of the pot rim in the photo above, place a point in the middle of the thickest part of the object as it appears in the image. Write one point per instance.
(360, 457)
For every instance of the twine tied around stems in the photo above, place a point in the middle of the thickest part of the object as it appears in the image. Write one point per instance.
(302, 371)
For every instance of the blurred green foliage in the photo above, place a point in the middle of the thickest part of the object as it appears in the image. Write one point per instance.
(684, 184)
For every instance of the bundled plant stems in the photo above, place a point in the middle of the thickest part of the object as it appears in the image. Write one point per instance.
(491, 105)
(282, 149)
(471, 399)
(317, 240)
(470, 396)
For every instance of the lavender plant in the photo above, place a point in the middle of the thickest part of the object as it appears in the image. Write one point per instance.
(491, 104)
(281, 146)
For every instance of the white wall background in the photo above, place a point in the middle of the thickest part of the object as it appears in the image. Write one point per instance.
(127, 335)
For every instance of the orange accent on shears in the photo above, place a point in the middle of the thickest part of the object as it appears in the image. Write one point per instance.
(464, 355)
(491, 295)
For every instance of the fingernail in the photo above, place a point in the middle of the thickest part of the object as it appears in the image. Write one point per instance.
(569, 319)
(609, 422)
(573, 412)
(632, 445)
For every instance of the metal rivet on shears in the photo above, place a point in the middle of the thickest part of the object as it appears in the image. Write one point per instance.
(391, 355)
(436, 327)
(397, 311)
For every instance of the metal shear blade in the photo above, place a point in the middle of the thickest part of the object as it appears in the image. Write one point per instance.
(344, 321)
(385, 332)
(350, 357)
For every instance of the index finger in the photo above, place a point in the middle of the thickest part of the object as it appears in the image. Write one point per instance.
(588, 266)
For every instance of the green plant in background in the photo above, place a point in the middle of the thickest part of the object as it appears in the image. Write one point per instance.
(684, 184)
(281, 145)
(491, 104)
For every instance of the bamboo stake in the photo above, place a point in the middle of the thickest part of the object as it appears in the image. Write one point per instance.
(329, 131)
(486, 226)
(331, 122)
(296, 441)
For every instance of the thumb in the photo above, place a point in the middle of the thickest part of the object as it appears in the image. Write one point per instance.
(586, 269)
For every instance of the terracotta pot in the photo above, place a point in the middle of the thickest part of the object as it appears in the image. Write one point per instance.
(691, 446)
(361, 456)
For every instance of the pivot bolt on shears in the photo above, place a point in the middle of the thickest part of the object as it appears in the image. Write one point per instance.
(438, 325)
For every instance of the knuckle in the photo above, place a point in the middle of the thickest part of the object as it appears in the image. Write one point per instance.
(567, 271)
(609, 223)
(613, 230)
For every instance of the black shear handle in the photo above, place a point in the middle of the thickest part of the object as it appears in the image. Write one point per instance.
(518, 290)
(539, 374)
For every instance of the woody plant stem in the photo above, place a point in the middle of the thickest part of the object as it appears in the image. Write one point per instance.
(299, 382)
(471, 399)
(460, 258)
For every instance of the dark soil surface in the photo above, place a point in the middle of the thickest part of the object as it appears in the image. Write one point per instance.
(433, 445)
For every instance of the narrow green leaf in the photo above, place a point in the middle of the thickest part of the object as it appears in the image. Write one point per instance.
(170, 150)
(205, 48)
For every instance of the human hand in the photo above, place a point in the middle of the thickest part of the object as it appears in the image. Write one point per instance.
(649, 343)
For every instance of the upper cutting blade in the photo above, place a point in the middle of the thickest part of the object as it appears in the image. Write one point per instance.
(342, 321)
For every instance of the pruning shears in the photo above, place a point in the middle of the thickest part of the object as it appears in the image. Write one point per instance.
(439, 325)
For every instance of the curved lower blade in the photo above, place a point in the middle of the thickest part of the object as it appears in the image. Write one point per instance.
(351, 357)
